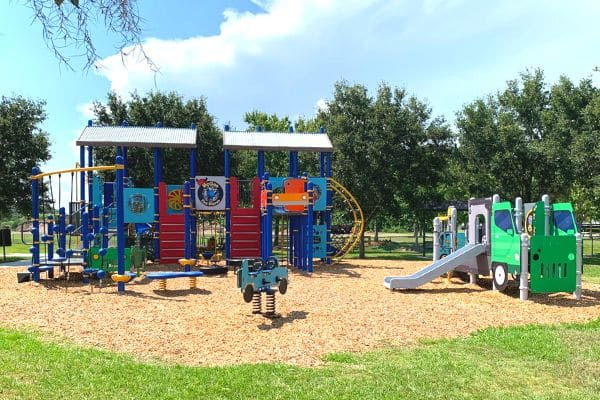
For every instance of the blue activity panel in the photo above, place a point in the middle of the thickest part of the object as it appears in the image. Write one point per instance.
(320, 188)
(139, 205)
(319, 241)
(98, 191)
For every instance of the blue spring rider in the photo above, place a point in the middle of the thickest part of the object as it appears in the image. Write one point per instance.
(256, 277)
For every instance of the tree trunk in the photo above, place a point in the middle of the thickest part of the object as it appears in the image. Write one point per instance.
(361, 246)
(416, 233)
(376, 235)
(423, 233)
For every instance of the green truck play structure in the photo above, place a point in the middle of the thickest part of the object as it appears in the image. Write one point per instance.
(537, 243)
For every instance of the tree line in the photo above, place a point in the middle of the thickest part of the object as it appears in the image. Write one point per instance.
(396, 156)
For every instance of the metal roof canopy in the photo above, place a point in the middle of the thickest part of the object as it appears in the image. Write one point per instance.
(277, 141)
(137, 136)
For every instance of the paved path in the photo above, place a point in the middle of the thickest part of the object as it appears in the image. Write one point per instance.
(26, 261)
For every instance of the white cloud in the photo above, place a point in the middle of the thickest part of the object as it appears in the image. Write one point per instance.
(86, 110)
(321, 105)
(241, 35)
(280, 59)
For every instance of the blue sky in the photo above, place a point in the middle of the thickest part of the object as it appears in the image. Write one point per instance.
(284, 56)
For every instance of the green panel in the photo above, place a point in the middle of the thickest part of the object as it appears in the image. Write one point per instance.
(506, 243)
(109, 261)
(552, 264)
(561, 212)
(539, 219)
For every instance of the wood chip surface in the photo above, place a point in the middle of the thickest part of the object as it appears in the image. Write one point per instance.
(339, 308)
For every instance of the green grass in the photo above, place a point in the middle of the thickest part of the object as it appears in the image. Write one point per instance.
(535, 362)
(591, 272)
(17, 245)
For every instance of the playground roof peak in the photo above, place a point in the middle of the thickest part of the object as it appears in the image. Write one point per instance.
(277, 141)
(137, 136)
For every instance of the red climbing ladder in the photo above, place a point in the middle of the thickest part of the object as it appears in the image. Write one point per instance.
(171, 229)
(245, 222)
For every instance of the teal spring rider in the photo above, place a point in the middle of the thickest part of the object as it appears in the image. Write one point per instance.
(256, 277)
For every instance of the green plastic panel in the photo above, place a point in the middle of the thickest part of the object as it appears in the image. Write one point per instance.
(564, 222)
(109, 261)
(552, 264)
(506, 243)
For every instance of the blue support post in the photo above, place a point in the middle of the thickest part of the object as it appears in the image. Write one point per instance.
(292, 221)
(186, 222)
(227, 205)
(292, 159)
(120, 224)
(126, 179)
(90, 177)
(157, 174)
(194, 219)
(309, 228)
(85, 224)
(62, 231)
(323, 174)
(35, 230)
(82, 179)
(269, 222)
(265, 222)
(260, 162)
(297, 242)
(328, 207)
(50, 234)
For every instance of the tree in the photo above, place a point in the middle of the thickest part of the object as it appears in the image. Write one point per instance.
(66, 25)
(275, 162)
(172, 111)
(585, 151)
(520, 141)
(23, 145)
(389, 152)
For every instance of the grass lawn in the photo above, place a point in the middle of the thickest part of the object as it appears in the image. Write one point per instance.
(537, 362)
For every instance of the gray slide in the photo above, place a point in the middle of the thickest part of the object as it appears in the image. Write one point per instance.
(466, 255)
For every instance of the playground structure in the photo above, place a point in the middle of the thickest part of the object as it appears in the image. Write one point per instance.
(543, 250)
(304, 201)
(60, 229)
(106, 208)
(255, 278)
(162, 222)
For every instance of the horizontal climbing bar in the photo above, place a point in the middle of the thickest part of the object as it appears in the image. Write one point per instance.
(73, 170)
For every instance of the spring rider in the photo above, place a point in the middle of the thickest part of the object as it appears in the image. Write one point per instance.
(256, 277)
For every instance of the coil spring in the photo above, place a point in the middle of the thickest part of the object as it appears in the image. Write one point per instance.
(162, 284)
(256, 303)
(192, 282)
(270, 303)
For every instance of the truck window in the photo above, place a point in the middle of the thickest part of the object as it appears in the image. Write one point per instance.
(563, 220)
(503, 220)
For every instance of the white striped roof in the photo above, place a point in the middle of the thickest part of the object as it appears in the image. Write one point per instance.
(277, 141)
(137, 136)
